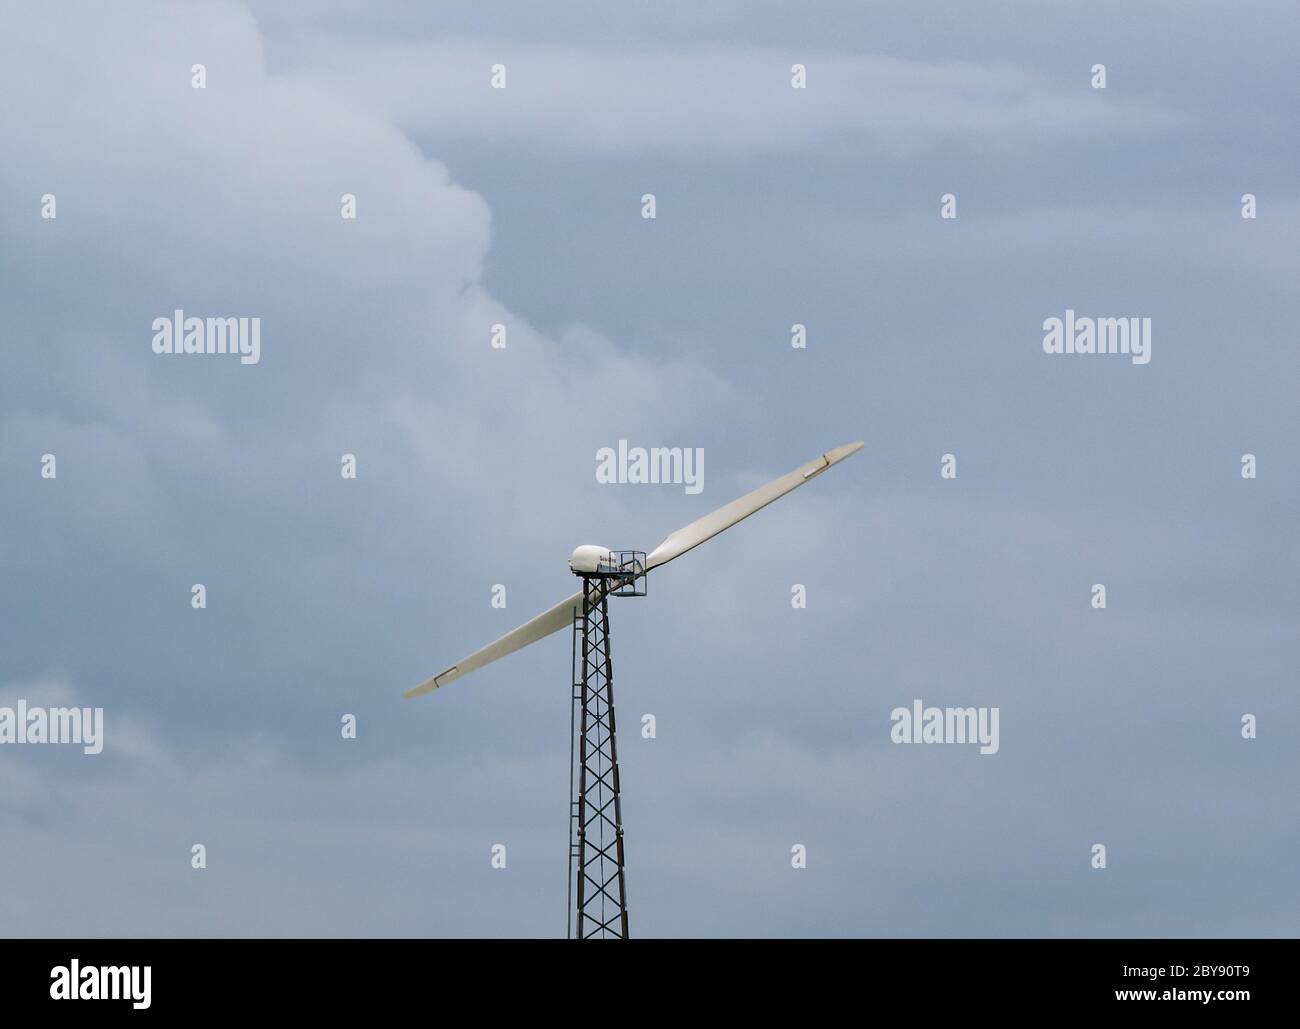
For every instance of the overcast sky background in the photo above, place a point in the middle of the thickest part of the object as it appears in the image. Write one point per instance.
(476, 466)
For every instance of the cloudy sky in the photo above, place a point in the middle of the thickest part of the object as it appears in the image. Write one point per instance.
(775, 206)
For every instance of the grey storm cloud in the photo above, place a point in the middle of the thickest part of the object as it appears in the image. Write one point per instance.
(476, 466)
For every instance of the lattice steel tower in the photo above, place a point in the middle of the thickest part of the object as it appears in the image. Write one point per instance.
(596, 865)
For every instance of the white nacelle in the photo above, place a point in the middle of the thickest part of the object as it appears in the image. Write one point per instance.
(591, 560)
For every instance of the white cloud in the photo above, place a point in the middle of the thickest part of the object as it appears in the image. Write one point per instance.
(375, 333)
(613, 99)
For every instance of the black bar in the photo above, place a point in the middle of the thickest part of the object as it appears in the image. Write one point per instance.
(915, 979)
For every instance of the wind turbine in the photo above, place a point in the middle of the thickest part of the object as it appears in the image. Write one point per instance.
(596, 817)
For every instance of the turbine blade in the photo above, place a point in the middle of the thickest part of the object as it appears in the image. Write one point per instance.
(710, 525)
(561, 615)
(549, 621)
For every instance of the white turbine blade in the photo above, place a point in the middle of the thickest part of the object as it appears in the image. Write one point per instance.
(561, 615)
(725, 517)
(552, 620)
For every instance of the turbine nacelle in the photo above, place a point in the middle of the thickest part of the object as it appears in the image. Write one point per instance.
(626, 568)
(590, 559)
